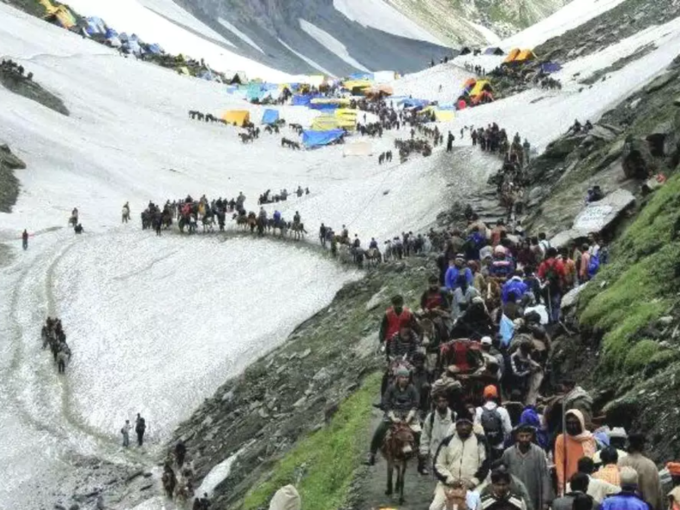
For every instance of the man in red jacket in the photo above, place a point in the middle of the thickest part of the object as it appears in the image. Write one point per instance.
(553, 274)
(394, 316)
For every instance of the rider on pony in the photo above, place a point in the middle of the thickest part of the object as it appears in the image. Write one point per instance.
(400, 404)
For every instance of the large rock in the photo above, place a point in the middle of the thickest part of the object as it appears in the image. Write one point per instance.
(660, 82)
(10, 160)
(596, 217)
(638, 162)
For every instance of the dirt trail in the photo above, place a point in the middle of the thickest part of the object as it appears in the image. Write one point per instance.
(418, 491)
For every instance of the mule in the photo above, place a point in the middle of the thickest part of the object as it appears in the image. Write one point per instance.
(397, 449)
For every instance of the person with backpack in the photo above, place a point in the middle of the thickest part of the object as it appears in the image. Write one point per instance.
(495, 421)
(435, 428)
(126, 433)
(140, 428)
(551, 271)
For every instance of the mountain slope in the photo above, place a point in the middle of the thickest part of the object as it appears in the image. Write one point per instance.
(459, 21)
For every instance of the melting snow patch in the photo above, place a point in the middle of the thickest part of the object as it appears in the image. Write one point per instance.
(378, 14)
(330, 43)
(239, 34)
(218, 474)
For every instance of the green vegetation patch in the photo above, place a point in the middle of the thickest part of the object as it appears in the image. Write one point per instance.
(327, 458)
(641, 282)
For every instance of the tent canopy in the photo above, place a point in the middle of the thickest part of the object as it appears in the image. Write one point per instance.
(347, 118)
(465, 50)
(383, 89)
(514, 53)
(444, 115)
(238, 117)
(525, 56)
(494, 51)
(270, 116)
(550, 67)
(312, 139)
(481, 86)
(325, 123)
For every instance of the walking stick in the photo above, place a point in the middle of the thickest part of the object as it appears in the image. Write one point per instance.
(564, 445)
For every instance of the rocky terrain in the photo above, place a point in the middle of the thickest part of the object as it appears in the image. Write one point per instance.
(30, 89)
(9, 184)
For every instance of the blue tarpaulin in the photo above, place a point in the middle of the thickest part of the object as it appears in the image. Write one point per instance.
(302, 100)
(550, 67)
(415, 103)
(324, 106)
(311, 139)
(270, 116)
(361, 76)
(155, 49)
(95, 26)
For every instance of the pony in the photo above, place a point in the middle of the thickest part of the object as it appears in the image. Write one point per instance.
(397, 449)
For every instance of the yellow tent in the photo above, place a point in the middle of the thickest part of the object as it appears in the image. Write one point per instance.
(444, 115)
(525, 56)
(480, 87)
(325, 123)
(512, 55)
(342, 101)
(346, 118)
(60, 13)
(238, 117)
(357, 84)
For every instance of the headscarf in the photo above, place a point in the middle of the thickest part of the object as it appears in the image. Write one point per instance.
(530, 417)
(585, 437)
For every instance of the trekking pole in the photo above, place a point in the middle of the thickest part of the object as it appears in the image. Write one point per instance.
(564, 445)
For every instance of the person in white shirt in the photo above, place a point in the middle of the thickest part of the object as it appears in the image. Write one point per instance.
(435, 428)
(495, 421)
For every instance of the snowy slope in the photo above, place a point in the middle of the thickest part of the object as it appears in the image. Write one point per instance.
(570, 16)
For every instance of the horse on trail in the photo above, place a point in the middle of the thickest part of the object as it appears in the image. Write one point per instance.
(397, 449)
(285, 142)
(373, 257)
(246, 137)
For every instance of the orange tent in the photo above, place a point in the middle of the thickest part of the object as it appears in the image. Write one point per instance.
(470, 82)
(512, 56)
(525, 56)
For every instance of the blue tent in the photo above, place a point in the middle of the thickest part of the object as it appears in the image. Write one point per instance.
(155, 49)
(302, 100)
(123, 37)
(550, 67)
(361, 76)
(95, 26)
(312, 139)
(270, 116)
(324, 106)
(415, 103)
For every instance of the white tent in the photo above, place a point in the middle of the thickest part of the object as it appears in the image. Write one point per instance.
(383, 76)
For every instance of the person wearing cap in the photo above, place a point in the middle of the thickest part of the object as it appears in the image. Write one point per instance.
(527, 461)
(456, 267)
(649, 484)
(674, 495)
(495, 421)
(400, 404)
(461, 457)
(491, 354)
(502, 266)
(629, 498)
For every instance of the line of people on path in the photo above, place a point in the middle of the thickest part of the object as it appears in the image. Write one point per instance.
(178, 478)
(53, 336)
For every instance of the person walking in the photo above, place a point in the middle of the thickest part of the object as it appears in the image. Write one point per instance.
(648, 483)
(126, 433)
(140, 428)
(24, 239)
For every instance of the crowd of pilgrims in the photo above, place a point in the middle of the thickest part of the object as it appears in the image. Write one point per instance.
(178, 478)
(53, 336)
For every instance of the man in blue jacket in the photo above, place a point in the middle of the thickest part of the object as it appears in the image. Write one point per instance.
(514, 285)
(456, 267)
(629, 497)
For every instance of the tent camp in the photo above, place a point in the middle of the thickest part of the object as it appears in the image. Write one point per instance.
(550, 67)
(303, 99)
(154, 49)
(112, 38)
(379, 90)
(514, 53)
(238, 117)
(347, 118)
(481, 86)
(465, 50)
(444, 115)
(325, 123)
(525, 56)
(494, 51)
(238, 79)
(61, 16)
(95, 25)
(361, 76)
(270, 116)
(358, 148)
(312, 139)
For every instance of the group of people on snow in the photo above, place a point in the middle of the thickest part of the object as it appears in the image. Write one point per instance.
(53, 336)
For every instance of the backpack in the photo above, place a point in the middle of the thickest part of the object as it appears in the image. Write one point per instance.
(492, 425)
(593, 265)
(553, 277)
(141, 424)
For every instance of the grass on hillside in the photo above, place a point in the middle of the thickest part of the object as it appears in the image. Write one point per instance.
(641, 284)
(328, 457)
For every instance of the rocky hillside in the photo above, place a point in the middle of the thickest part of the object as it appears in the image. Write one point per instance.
(450, 19)
(9, 184)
